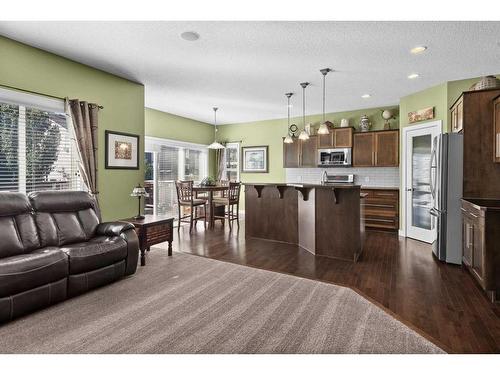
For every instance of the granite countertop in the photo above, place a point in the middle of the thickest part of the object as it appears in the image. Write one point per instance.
(303, 185)
(380, 187)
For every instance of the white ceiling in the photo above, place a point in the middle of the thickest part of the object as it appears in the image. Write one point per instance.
(245, 68)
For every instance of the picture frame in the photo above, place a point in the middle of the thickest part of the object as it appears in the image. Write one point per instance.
(421, 115)
(255, 159)
(121, 150)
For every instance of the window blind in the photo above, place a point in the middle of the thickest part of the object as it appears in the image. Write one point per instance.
(37, 149)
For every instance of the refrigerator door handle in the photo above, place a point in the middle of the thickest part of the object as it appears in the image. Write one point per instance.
(431, 174)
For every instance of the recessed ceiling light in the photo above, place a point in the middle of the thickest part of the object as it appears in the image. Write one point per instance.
(418, 49)
(413, 76)
(366, 96)
(190, 36)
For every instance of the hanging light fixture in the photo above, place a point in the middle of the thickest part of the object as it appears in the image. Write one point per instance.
(325, 126)
(215, 145)
(289, 135)
(303, 136)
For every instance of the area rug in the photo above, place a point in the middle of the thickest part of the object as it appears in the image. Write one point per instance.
(190, 304)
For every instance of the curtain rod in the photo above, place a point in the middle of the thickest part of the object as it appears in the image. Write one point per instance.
(39, 93)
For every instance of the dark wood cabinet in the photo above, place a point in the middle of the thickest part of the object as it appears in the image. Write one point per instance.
(376, 149)
(475, 116)
(301, 153)
(480, 238)
(309, 152)
(457, 116)
(496, 130)
(291, 154)
(381, 208)
(337, 138)
(363, 150)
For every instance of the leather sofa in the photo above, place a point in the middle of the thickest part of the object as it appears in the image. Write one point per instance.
(53, 246)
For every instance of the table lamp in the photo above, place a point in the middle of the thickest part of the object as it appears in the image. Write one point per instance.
(139, 192)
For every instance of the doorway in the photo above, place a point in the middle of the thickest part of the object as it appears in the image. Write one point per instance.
(417, 197)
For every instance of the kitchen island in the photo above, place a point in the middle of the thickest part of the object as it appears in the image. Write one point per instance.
(324, 219)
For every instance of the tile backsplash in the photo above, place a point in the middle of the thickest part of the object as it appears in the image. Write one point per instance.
(379, 176)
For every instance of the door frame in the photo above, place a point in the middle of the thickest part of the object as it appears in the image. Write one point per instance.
(438, 125)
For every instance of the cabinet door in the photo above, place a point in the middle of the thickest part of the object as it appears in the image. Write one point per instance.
(477, 249)
(326, 140)
(343, 138)
(454, 119)
(387, 149)
(309, 152)
(364, 150)
(467, 235)
(460, 116)
(291, 154)
(496, 132)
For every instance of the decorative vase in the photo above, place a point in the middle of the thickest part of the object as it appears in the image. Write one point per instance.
(364, 123)
(488, 82)
(344, 123)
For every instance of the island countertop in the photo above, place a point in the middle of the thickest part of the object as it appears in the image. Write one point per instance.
(303, 185)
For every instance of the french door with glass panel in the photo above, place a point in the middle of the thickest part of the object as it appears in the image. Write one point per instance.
(420, 224)
(166, 162)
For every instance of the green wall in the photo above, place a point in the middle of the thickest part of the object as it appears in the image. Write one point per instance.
(32, 69)
(166, 125)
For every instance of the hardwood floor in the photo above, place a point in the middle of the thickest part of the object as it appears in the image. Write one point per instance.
(440, 301)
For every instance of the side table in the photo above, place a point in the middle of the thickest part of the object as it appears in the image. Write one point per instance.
(152, 230)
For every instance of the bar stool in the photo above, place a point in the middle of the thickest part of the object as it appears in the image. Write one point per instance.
(230, 199)
(185, 198)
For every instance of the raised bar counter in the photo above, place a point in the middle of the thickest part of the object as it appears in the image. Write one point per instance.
(324, 219)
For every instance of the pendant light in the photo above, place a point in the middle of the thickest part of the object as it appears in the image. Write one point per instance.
(215, 145)
(325, 126)
(289, 137)
(303, 136)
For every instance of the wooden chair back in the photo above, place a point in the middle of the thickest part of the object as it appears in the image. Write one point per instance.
(234, 192)
(184, 191)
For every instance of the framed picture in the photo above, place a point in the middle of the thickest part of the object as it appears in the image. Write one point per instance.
(255, 159)
(122, 150)
(421, 115)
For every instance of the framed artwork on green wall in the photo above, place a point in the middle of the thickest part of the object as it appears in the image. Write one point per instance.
(255, 159)
(122, 150)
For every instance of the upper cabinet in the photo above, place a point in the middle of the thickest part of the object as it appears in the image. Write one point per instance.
(496, 130)
(376, 149)
(457, 116)
(301, 153)
(338, 138)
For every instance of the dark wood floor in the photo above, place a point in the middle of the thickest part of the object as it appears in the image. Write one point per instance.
(440, 301)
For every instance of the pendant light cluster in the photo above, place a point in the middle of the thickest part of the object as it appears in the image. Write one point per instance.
(215, 145)
(325, 126)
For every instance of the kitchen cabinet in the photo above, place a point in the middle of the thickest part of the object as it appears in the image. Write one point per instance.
(480, 238)
(376, 149)
(457, 116)
(309, 152)
(301, 153)
(337, 138)
(291, 154)
(496, 130)
(381, 208)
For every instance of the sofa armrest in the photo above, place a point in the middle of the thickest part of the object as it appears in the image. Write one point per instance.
(114, 228)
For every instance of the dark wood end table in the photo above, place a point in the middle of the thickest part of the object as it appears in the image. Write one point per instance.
(152, 230)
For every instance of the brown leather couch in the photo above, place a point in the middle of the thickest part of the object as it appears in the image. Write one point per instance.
(53, 246)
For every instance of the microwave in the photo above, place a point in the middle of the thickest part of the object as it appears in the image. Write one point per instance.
(335, 157)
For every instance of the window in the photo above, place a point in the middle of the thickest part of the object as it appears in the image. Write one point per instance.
(232, 162)
(171, 161)
(37, 145)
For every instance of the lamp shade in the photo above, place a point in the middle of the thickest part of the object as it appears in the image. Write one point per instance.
(323, 129)
(139, 191)
(288, 139)
(215, 146)
(303, 136)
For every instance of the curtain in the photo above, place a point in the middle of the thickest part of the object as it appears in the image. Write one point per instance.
(219, 162)
(84, 118)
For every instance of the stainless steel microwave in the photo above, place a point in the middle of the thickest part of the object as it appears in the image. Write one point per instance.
(335, 157)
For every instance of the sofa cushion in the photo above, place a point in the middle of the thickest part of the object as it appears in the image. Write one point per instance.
(61, 201)
(12, 204)
(27, 271)
(99, 252)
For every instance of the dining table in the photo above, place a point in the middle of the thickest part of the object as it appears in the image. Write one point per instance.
(210, 190)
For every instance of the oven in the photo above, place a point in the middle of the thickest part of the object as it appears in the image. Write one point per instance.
(335, 157)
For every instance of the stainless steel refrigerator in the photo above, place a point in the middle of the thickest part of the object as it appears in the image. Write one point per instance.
(446, 190)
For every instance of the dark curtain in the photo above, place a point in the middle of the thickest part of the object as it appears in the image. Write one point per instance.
(84, 117)
(219, 162)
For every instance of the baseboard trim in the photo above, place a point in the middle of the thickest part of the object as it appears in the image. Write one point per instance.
(401, 233)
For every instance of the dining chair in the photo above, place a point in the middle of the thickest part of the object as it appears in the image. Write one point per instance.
(186, 198)
(230, 200)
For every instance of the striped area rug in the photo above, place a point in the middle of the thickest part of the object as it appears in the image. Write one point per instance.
(191, 304)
